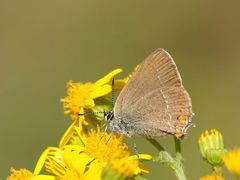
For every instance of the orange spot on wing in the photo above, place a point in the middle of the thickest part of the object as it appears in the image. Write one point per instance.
(181, 123)
(182, 119)
(178, 132)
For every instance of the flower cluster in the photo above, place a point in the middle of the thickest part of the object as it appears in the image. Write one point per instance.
(90, 158)
(85, 151)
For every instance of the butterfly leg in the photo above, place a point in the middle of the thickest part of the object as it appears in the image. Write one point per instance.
(105, 130)
(110, 136)
(135, 147)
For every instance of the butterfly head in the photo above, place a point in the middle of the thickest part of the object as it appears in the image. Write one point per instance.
(108, 116)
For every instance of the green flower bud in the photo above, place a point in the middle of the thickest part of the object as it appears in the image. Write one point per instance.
(212, 147)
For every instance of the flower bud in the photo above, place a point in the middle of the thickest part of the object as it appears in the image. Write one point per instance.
(212, 147)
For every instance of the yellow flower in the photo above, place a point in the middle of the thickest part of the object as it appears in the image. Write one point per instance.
(232, 161)
(25, 174)
(103, 147)
(97, 151)
(69, 163)
(81, 96)
(76, 166)
(212, 177)
(22, 174)
(84, 97)
(212, 147)
(110, 149)
(82, 154)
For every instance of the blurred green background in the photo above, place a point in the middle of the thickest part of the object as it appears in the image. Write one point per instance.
(44, 44)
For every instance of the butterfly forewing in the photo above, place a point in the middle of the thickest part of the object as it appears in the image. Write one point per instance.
(154, 102)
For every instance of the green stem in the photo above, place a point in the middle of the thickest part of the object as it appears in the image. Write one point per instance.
(177, 142)
(156, 144)
(217, 170)
(178, 165)
(179, 172)
(167, 160)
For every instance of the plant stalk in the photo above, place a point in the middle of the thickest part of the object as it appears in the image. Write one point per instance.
(176, 163)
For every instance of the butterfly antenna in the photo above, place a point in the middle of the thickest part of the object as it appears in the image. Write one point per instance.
(90, 113)
(112, 92)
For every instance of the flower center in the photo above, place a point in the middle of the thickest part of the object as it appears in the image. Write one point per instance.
(104, 148)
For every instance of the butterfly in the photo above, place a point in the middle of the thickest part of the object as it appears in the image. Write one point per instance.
(154, 101)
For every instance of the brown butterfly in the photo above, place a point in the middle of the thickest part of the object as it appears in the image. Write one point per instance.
(154, 102)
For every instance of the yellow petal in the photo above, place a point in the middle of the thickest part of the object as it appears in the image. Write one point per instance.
(81, 134)
(42, 159)
(232, 161)
(55, 166)
(119, 84)
(75, 160)
(94, 171)
(67, 135)
(101, 91)
(74, 148)
(141, 157)
(106, 79)
(143, 169)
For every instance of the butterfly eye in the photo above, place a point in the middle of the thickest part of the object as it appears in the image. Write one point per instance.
(108, 115)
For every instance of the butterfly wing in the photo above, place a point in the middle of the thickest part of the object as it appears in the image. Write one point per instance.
(154, 102)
